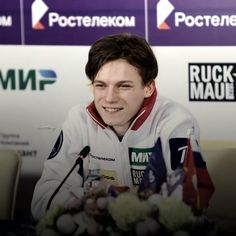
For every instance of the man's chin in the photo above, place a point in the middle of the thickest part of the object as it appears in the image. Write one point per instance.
(111, 123)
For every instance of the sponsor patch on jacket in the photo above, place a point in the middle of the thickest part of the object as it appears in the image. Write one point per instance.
(57, 146)
(178, 148)
(155, 173)
(110, 176)
(139, 158)
(101, 158)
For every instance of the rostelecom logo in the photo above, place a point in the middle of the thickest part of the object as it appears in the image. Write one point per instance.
(38, 10)
(163, 10)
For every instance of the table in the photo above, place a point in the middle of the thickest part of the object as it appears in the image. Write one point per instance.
(16, 228)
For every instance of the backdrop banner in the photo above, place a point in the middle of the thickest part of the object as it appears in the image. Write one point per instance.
(81, 22)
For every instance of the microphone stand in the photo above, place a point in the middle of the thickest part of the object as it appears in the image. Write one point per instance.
(79, 160)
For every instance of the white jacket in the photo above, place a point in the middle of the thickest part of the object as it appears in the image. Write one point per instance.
(120, 162)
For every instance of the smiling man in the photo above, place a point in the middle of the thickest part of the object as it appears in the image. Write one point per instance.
(125, 125)
(119, 93)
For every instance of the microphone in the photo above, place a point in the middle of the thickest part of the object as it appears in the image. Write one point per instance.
(84, 152)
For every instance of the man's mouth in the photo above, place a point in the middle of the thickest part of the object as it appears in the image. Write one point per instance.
(112, 109)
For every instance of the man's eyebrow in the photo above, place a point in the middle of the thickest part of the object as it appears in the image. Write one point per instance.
(125, 81)
(99, 81)
(119, 82)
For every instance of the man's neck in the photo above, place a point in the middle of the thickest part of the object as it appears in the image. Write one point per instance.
(119, 131)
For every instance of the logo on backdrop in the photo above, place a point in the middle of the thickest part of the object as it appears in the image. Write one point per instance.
(194, 18)
(38, 10)
(184, 22)
(19, 79)
(5, 21)
(212, 81)
(163, 9)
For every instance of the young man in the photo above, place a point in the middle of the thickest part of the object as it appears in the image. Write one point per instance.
(122, 126)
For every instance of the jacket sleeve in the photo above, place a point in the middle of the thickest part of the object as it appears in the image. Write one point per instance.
(168, 152)
(174, 134)
(56, 167)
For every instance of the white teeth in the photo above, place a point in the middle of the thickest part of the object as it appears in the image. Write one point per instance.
(112, 109)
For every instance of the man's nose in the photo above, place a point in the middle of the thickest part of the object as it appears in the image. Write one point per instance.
(111, 94)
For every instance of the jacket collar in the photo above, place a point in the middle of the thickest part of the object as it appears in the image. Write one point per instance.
(139, 119)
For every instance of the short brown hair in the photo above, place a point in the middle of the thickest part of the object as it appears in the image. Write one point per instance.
(132, 48)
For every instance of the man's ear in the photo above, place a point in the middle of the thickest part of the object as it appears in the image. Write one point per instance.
(149, 89)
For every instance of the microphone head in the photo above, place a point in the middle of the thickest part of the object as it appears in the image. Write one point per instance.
(85, 151)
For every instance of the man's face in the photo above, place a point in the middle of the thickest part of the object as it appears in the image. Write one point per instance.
(119, 93)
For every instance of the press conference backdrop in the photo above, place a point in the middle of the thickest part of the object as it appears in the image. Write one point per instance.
(44, 46)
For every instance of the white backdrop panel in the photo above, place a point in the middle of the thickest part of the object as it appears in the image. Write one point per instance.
(30, 120)
(216, 119)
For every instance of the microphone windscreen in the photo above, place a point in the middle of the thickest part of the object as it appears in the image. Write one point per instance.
(85, 151)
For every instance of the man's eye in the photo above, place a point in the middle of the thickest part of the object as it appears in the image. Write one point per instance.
(99, 85)
(125, 86)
